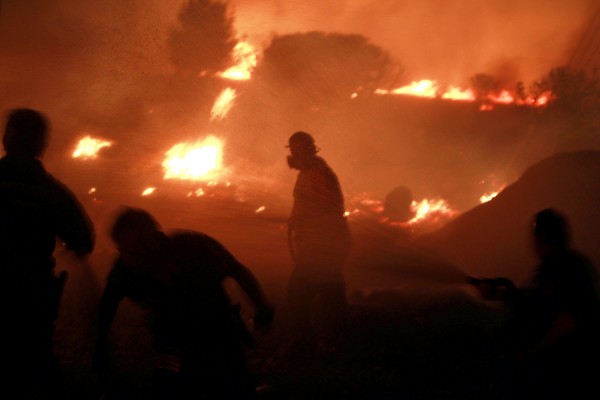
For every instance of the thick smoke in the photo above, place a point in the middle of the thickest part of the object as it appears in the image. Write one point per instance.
(436, 39)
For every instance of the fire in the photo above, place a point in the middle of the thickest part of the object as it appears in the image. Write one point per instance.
(423, 88)
(148, 191)
(455, 93)
(489, 196)
(430, 210)
(201, 160)
(223, 103)
(88, 147)
(245, 57)
(431, 89)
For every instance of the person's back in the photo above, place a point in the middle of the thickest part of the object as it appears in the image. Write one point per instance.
(35, 211)
(198, 333)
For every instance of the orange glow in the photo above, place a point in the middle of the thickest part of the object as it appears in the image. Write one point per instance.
(489, 196)
(88, 147)
(260, 209)
(148, 191)
(430, 210)
(430, 89)
(504, 97)
(245, 57)
(454, 93)
(223, 104)
(198, 161)
(423, 88)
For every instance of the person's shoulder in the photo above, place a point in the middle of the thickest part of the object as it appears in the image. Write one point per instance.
(190, 237)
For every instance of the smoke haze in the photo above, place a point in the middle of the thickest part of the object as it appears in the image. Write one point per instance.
(436, 39)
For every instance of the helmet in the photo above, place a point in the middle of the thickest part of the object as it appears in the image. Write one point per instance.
(304, 141)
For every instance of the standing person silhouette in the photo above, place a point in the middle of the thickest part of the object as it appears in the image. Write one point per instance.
(35, 210)
(320, 241)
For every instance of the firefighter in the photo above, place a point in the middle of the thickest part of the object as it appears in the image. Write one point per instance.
(35, 210)
(556, 317)
(321, 241)
(198, 332)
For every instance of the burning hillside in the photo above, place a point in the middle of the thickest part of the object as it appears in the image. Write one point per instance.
(493, 239)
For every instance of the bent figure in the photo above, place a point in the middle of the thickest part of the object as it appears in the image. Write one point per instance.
(556, 318)
(35, 210)
(198, 333)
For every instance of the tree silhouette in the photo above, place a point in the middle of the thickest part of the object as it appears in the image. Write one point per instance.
(204, 39)
(316, 68)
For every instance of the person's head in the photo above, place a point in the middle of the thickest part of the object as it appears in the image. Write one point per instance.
(550, 231)
(137, 235)
(302, 148)
(26, 134)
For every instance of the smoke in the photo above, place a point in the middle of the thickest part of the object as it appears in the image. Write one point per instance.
(436, 39)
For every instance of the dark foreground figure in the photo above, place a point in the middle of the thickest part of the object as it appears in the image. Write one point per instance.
(199, 335)
(35, 211)
(554, 336)
(320, 240)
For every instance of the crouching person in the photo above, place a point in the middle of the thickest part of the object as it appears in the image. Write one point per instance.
(199, 335)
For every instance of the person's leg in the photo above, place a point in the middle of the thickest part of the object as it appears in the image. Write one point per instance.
(301, 299)
(333, 314)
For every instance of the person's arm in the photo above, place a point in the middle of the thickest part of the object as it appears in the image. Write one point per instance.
(561, 326)
(264, 312)
(75, 228)
(109, 304)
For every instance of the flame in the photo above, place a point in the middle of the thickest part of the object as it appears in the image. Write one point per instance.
(148, 191)
(245, 57)
(423, 88)
(92, 190)
(504, 97)
(430, 89)
(455, 93)
(430, 210)
(489, 196)
(223, 104)
(201, 160)
(88, 147)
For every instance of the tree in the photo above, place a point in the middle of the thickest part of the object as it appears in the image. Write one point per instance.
(316, 68)
(574, 92)
(204, 39)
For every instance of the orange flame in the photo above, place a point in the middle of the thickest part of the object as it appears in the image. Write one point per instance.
(148, 191)
(430, 89)
(245, 57)
(201, 160)
(423, 88)
(88, 147)
(455, 93)
(430, 210)
(223, 104)
(489, 196)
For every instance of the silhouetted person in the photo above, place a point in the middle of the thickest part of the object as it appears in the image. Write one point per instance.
(35, 210)
(198, 333)
(320, 240)
(557, 317)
